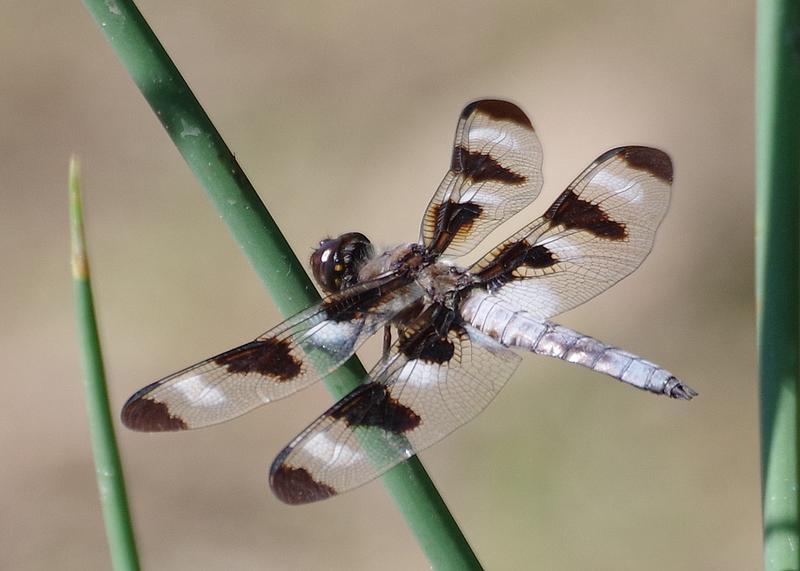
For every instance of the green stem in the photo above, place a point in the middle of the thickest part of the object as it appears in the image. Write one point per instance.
(777, 277)
(110, 479)
(267, 250)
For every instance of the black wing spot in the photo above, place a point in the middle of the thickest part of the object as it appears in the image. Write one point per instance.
(270, 357)
(437, 349)
(372, 405)
(148, 415)
(480, 167)
(453, 218)
(351, 304)
(512, 256)
(498, 110)
(430, 343)
(650, 160)
(573, 212)
(296, 485)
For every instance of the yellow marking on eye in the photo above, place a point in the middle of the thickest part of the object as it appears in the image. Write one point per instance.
(338, 268)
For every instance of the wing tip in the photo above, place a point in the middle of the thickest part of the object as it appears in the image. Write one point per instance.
(148, 415)
(649, 159)
(498, 109)
(296, 486)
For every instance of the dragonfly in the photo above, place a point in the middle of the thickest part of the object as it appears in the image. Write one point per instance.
(449, 331)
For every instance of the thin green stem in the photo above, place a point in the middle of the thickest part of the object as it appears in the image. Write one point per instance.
(110, 479)
(777, 277)
(263, 244)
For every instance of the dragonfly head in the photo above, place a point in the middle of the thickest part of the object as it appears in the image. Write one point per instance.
(337, 261)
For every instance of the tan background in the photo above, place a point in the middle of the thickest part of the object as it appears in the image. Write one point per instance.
(342, 116)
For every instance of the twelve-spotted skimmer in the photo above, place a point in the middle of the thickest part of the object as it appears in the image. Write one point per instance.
(454, 326)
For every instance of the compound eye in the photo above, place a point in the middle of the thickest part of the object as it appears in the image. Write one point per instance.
(337, 261)
(323, 267)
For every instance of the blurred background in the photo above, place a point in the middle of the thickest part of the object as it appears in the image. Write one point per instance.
(342, 115)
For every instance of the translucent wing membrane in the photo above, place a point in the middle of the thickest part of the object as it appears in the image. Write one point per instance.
(289, 357)
(495, 171)
(599, 230)
(431, 384)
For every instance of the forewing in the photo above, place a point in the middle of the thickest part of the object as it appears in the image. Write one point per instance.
(289, 357)
(495, 171)
(429, 386)
(599, 230)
